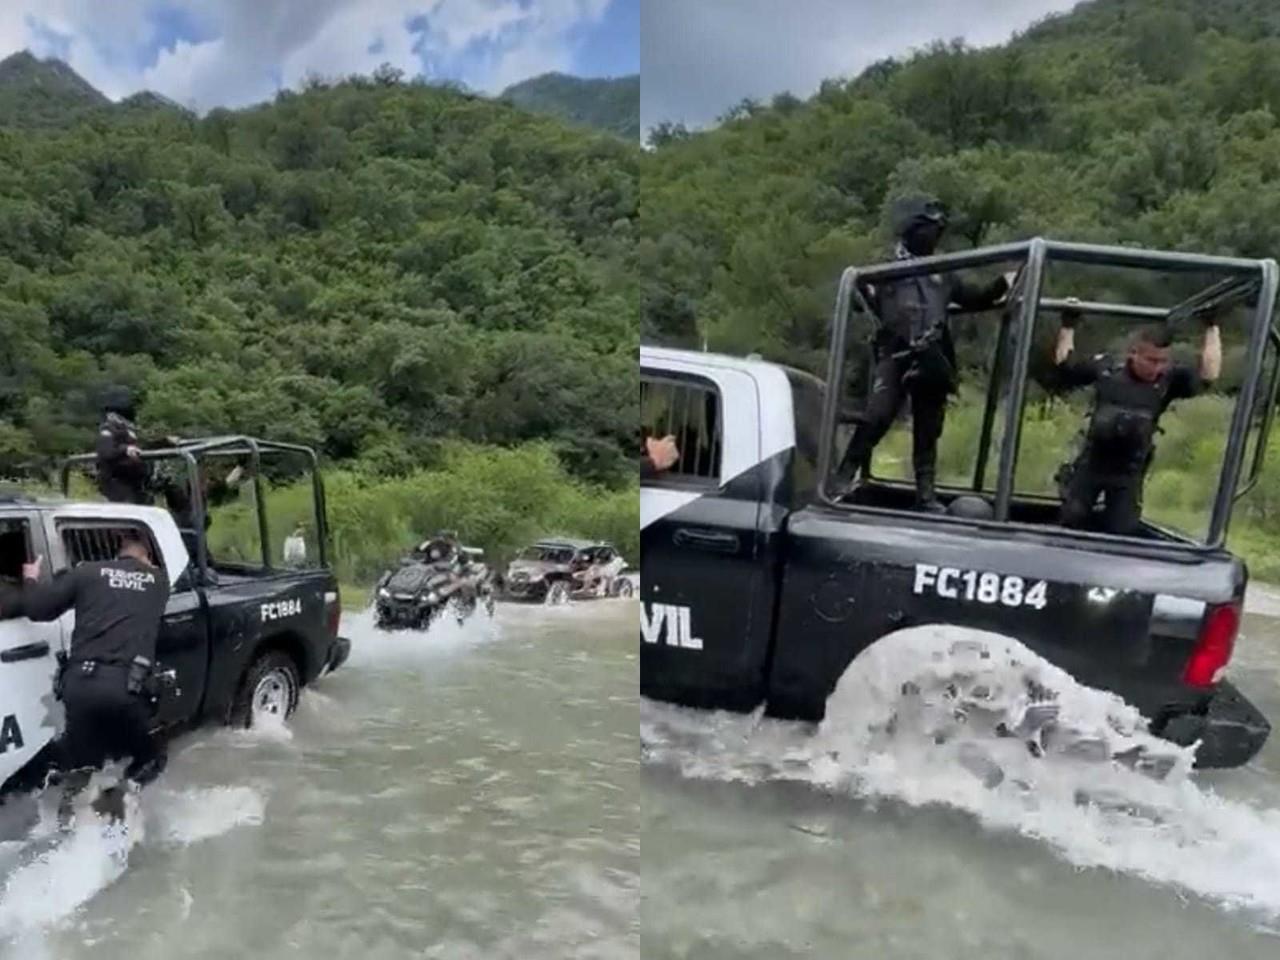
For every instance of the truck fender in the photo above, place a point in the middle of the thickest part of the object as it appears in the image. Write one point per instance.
(283, 641)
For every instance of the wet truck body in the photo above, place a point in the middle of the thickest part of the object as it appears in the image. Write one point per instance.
(236, 638)
(760, 590)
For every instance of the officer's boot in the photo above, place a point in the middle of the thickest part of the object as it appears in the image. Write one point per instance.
(109, 803)
(926, 497)
(71, 784)
(851, 467)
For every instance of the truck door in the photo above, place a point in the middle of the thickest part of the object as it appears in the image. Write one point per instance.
(29, 716)
(704, 642)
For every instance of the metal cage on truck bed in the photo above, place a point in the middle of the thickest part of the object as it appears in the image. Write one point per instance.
(192, 452)
(1244, 281)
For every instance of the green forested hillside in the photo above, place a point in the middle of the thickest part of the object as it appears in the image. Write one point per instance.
(1126, 121)
(367, 267)
(36, 93)
(607, 104)
(431, 288)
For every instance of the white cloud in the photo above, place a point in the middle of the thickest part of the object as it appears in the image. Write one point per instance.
(699, 57)
(115, 46)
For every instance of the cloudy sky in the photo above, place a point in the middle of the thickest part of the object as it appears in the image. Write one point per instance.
(206, 53)
(699, 57)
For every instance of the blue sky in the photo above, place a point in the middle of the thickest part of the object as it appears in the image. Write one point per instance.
(700, 57)
(206, 53)
(611, 48)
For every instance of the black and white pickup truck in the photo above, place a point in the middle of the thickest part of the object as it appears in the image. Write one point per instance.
(760, 587)
(241, 639)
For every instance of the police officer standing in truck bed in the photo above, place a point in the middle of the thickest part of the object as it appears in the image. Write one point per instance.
(1130, 395)
(122, 473)
(914, 353)
(106, 681)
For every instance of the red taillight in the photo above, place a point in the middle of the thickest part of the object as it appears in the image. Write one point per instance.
(333, 611)
(1214, 647)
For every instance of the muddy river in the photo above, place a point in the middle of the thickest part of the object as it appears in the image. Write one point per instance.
(470, 792)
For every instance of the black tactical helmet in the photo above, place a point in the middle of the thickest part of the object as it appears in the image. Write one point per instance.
(118, 400)
(906, 212)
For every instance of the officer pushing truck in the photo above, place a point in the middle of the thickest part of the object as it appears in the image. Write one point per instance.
(106, 680)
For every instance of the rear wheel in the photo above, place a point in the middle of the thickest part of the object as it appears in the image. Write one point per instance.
(624, 589)
(269, 692)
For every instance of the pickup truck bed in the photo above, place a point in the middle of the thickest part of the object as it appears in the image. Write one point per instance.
(755, 594)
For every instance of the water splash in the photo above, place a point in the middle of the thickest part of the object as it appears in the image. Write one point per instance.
(180, 818)
(373, 647)
(63, 870)
(944, 716)
(66, 870)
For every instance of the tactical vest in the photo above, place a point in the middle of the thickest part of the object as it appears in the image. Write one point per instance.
(1122, 424)
(911, 309)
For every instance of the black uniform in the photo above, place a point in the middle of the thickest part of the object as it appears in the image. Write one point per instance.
(121, 478)
(915, 357)
(1119, 440)
(118, 606)
(177, 498)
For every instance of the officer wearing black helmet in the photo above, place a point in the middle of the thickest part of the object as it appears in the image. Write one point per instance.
(121, 471)
(1130, 394)
(913, 349)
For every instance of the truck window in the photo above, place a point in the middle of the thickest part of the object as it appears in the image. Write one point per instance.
(689, 411)
(15, 550)
(86, 542)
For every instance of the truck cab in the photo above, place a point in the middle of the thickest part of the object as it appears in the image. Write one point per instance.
(240, 637)
(761, 583)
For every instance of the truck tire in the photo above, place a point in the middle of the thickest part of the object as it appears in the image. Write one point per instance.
(270, 688)
(623, 589)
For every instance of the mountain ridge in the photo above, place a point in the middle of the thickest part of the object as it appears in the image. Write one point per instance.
(606, 103)
(36, 92)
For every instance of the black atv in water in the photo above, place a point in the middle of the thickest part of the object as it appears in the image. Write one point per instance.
(440, 575)
(765, 581)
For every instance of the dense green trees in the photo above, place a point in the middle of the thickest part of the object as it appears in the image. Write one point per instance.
(607, 104)
(1149, 122)
(370, 267)
(1126, 121)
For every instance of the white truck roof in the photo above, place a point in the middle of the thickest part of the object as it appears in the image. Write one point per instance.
(160, 522)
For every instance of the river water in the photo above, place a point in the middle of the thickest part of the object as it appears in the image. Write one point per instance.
(764, 839)
(478, 792)
(471, 792)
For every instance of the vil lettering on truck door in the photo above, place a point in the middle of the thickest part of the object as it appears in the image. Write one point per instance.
(674, 624)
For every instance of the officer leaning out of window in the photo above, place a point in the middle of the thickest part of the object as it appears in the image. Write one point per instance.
(1130, 394)
(106, 680)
